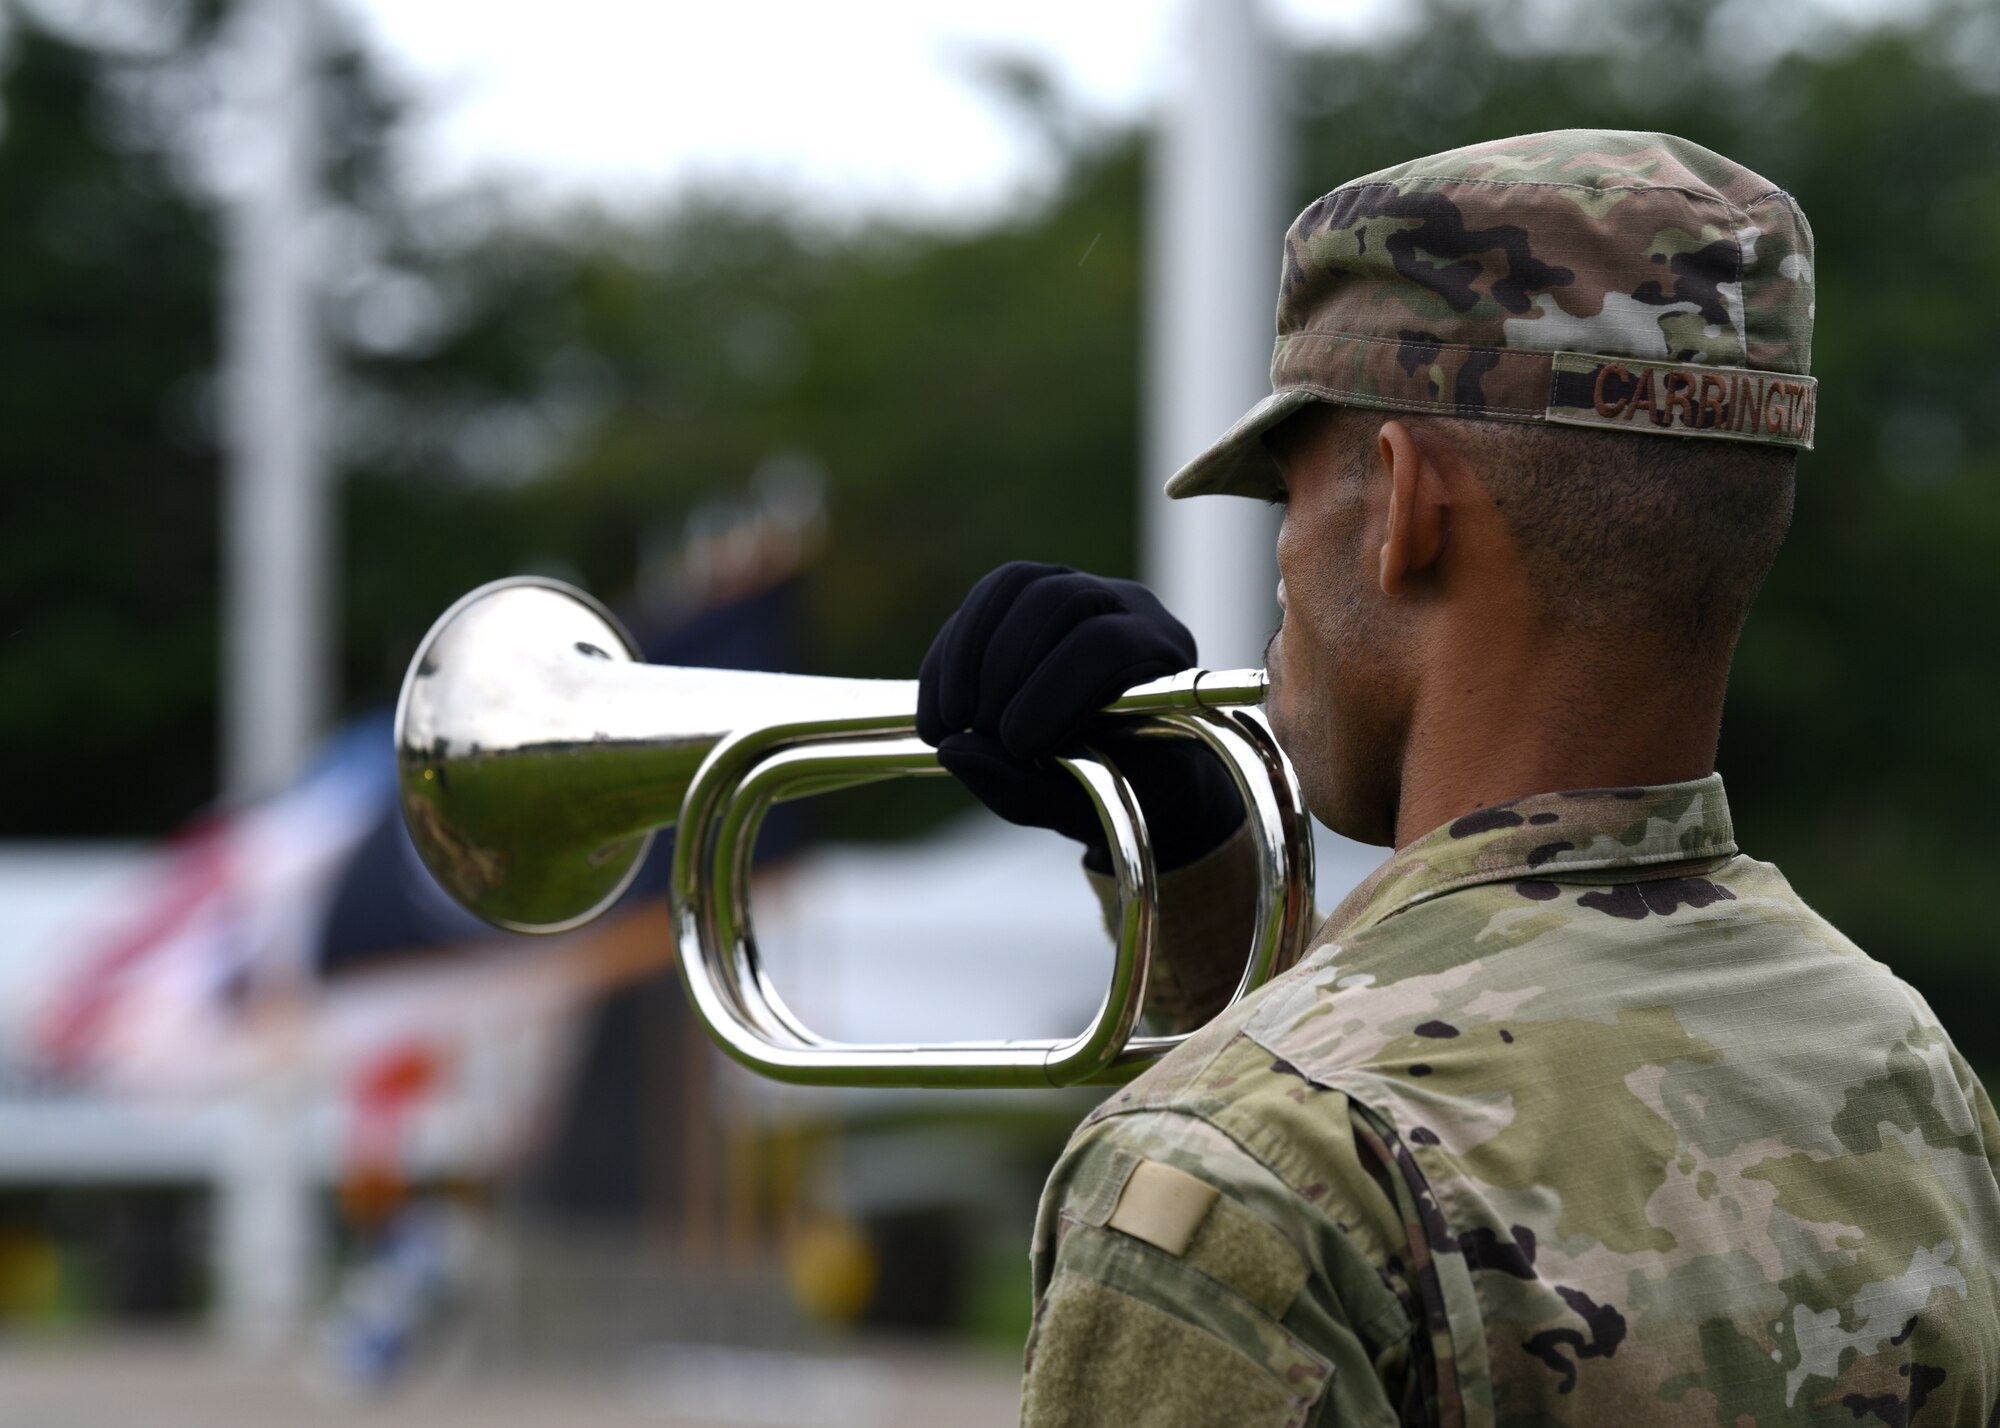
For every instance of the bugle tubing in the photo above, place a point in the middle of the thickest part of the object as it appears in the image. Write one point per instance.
(537, 757)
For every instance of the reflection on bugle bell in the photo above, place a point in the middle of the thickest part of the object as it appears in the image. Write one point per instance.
(537, 757)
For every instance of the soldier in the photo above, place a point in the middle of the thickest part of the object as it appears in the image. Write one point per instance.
(1573, 1113)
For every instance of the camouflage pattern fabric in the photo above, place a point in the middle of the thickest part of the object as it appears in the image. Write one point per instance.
(1630, 281)
(1575, 1115)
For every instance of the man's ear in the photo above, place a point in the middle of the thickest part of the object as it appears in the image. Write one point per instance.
(1414, 537)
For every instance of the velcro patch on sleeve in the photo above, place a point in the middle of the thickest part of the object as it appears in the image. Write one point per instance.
(1236, 1248)
(1098, 1183)
(1682, 399)
(1100, 1354)
(1163, 1206)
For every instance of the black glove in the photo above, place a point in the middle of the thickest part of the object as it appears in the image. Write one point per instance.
(1021, 672)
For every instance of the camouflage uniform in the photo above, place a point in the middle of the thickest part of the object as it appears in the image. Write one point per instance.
(1582, 1117)
(1573, 1114)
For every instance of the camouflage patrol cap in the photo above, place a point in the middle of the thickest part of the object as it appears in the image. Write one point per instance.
(1601, 278)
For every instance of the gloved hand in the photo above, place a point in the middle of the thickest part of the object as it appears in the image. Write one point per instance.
(1020, 673)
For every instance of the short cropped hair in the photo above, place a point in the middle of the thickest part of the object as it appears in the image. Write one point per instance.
(1666, 535)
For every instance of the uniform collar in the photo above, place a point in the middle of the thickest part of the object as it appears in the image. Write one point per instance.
(1544, 838)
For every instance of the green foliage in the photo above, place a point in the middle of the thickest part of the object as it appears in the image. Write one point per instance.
(561, 394)
(107, 474)
(969, 396)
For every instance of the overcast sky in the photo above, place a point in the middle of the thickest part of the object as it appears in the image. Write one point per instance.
(862, 105)
(858, 106)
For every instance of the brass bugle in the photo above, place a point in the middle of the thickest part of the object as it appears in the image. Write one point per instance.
(537, 756)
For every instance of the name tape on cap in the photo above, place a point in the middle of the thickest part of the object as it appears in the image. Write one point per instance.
(1682, 399)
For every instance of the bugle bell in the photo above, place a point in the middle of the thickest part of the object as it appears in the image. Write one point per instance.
(537, 757)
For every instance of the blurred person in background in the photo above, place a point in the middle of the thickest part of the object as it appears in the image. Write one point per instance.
(1572, 1113)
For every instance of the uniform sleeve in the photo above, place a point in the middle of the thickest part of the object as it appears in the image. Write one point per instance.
(1206, 912)
(1164, 1298)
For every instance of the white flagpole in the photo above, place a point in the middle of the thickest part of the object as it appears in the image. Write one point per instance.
(277, 512)
(1214, 228)
(276, 652)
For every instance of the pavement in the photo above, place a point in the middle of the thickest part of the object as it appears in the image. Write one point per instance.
(176, 1382)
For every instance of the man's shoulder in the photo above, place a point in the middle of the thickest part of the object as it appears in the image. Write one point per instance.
(1249, 1122)
(1537, 1108)
(1223, 1190)
(1491, 985)
(1507, 1029)
(1593, 955)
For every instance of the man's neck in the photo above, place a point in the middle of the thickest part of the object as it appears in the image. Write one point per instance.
(1505, 727)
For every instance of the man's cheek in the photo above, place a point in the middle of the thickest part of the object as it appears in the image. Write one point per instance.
(1275, 689)
(1279, 666)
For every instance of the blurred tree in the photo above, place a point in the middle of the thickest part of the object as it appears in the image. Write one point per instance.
(107, 467)
(966, 396)
(110, 285)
